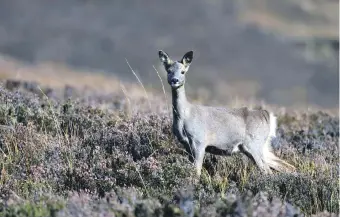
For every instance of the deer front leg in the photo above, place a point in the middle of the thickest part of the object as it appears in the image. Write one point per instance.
(199, 156)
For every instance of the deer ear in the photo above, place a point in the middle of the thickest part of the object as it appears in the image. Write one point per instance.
(164, 57)
(187, 58)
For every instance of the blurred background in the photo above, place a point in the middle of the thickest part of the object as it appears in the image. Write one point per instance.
(284, 52)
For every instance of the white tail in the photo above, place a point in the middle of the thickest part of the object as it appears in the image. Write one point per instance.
(272, 125)
(273, 161)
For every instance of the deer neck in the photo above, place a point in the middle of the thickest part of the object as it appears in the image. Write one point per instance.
(179, 102)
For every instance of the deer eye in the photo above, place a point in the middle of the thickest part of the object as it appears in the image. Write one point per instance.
(182, 72)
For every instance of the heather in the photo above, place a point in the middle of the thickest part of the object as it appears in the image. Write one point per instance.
(69, 151)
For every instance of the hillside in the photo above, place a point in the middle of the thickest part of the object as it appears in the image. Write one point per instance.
(72, 147)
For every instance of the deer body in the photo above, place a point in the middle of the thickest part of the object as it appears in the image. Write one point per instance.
(219, 130)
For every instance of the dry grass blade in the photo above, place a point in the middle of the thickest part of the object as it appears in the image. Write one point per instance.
(57, 124)
(128, 108)
(140, 82)
(160, 78)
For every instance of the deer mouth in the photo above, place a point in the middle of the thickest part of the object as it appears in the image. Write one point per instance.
(175, 84)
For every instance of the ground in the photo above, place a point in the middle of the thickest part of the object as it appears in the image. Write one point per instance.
(88, 145)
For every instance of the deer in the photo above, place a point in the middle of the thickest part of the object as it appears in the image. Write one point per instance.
(219, 130)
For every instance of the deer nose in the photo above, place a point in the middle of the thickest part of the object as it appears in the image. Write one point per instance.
(174, 80)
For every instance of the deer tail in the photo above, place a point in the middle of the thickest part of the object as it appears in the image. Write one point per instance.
(273, 161)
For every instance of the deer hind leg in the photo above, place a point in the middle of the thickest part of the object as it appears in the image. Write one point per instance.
(256, 155)
(275, 162)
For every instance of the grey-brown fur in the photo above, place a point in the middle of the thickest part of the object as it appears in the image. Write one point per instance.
(219, 130)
